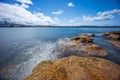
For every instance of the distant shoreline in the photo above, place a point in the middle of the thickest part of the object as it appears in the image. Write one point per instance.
(29, 26)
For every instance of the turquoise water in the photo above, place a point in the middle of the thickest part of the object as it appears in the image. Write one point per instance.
(22, 48)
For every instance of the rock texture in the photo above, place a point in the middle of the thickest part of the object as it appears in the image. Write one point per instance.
(112, 35)
(81, 46)
(95, 50)
(114, 38)
(81, 39)
(115, 43)
(76, 68)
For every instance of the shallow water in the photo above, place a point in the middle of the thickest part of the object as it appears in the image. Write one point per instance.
(21, 49)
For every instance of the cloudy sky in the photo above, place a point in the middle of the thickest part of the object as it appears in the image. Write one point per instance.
(61, 12)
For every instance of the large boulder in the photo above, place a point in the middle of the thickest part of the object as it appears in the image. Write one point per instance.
(76, 68)
(39, 69)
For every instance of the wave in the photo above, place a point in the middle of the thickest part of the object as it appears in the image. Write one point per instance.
(28, 55)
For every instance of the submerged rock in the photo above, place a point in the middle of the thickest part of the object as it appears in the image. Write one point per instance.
(76, 68)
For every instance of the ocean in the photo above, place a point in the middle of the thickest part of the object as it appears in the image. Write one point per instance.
(21, 49)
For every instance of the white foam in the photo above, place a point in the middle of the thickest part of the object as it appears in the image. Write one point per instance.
(35, 52)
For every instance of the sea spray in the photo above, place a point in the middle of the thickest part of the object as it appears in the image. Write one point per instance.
(30, 55)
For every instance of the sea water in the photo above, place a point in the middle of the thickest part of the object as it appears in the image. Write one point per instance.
(21, 49)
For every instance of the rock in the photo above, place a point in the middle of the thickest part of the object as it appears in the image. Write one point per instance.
(95, 50)
(88, 34)
(114, 38)
(70, 50)
(80, 46)
(76, 68)
(39, 69)
(115, 43)
(81, 39)
(81, 50)
(112, 35)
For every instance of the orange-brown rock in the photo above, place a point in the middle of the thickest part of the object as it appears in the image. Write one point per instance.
(114, 38)
(81, 50)
(95, 50)
(80, 46)
(112, 35)
(83, 39)
(76, 68)
(39, 69)
(116, 43)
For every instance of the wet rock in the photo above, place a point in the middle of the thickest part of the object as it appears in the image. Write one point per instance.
(81, 50)
(68, 50)
(112, 35)
(115, 43)
(39, 69)
(76, 68)
(114, 38)
(81, 39)
(95, 50)
(81, 46)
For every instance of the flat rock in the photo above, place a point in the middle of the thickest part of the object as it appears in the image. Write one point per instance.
(82, 39)
(115, 43)
(81, 46)
(76, 68)
(112, 35)
(95, 50)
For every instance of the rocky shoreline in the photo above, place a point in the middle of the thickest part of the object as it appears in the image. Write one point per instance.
(80, 46)
(113, 37)
(85, 65)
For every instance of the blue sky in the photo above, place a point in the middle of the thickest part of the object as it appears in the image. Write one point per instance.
(61, 12)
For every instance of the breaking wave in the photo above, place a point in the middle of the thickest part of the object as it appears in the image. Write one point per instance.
(28, 56)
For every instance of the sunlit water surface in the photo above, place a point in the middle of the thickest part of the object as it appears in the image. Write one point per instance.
(21, 49)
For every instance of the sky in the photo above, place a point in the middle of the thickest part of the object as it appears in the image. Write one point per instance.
(61, 12)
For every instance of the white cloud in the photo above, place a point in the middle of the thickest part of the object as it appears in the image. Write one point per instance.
(24, 6)
(74, 19)
(17, 14)
(70, 4)
(25, 1)
(107, 15)
(57, 12)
